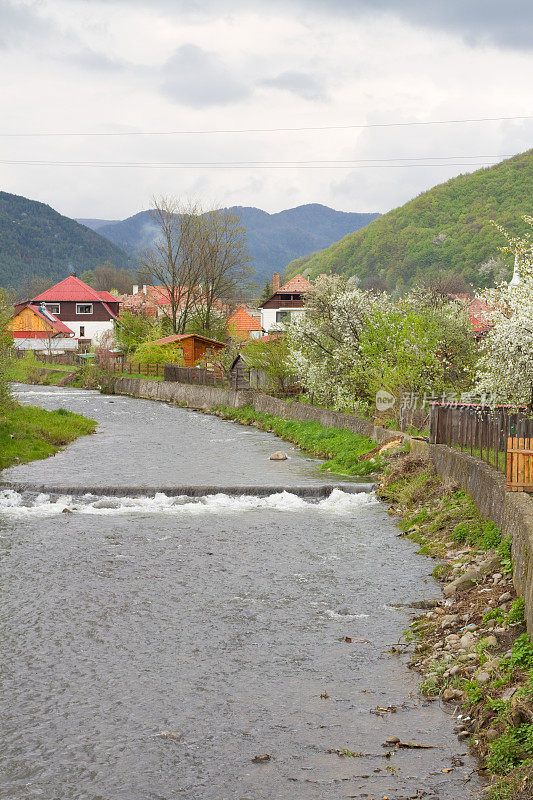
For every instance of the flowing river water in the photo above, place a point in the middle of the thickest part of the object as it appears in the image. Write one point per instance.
(221, 619)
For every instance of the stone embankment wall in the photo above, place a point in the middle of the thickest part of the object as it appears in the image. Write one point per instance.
(512, 511)
(206, 397)
(202, 397)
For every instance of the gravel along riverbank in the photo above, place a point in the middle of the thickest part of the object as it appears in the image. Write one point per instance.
(472, 648)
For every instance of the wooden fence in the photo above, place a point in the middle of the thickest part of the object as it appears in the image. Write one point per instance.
(519, 464)
(500, 436)
(70, 358)
(193, 375)
(130, 368)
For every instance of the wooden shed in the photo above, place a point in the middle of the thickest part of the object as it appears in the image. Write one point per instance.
(193, 346)
(243, 376)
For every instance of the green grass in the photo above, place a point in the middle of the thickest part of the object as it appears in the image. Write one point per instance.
(31, 370)
(144, 376)
(28, 433)
(341, 448)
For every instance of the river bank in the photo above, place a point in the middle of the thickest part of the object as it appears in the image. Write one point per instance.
(472, 674)
(472, 648)
(28, 433)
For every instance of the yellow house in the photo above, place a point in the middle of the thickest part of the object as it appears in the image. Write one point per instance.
(34, 327)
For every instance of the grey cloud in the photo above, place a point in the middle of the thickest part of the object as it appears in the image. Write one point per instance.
(19, 23)
(197, 78)
(302, 84)
(478, 22)
(89, 59)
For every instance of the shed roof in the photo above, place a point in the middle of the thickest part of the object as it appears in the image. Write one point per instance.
(177, 337)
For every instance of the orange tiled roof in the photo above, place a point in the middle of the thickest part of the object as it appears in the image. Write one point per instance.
(177, 337)
(296, 284)
(241, 320)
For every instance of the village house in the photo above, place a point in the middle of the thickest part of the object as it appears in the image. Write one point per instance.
(243, 326)
(88, 314)
(35, 328)
(286, 302)
(154, 301)
(194, 347)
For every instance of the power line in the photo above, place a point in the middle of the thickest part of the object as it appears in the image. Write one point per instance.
(275, 162)
(333, 164)
(268, 130)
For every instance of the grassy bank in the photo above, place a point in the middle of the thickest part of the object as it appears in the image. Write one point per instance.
(472, 648)
(31, 370)
(344, 451)
(83, 376)
(28, 433)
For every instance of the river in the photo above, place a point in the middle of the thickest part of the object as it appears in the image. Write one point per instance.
(220, 619)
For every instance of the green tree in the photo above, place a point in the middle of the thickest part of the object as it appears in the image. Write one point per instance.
(131, 330)
(6, 344)
(151, 353)
(217, 325)
(273, 358)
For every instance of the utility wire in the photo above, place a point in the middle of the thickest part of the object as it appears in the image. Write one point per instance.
(270, 130)
(339, 164)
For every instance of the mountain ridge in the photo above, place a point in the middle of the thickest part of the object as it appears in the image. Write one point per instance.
(273, 239)
(446, 231)
(37, 240)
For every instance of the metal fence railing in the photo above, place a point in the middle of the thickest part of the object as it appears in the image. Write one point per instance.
(479, 430)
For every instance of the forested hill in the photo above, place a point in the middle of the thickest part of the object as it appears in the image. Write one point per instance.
(443, 232)
(273, 239)
(36, 240)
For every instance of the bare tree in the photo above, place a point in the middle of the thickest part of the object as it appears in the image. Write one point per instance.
(223, 258)
(172, 259)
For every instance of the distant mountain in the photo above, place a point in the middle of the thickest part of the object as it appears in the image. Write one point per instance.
(273, 239)
(444, 233)
(36, 240)
(96, 224)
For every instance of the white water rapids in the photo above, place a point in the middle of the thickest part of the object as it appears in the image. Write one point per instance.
(15, 504)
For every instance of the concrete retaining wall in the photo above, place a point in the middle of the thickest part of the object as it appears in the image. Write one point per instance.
(266, 404)
(207, 397)
(182, 393)
(512, 511)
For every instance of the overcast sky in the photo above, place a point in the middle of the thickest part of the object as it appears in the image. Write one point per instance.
(126, 66)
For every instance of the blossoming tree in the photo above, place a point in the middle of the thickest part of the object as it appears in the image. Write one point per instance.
(506, 364)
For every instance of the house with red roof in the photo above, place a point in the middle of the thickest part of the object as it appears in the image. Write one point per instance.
(35, 328)
(242, 326)
(87, 313)
(286, 302)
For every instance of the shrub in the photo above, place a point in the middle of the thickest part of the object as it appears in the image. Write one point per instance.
(517, 611)
(505, 752)
(151, 353)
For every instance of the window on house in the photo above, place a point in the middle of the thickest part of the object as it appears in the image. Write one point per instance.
(82, 330)
(84, 308)
(53, 308)
(283, 316)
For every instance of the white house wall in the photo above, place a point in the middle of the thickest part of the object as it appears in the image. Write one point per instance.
(268, 317)
(56, 344)
(92, 330)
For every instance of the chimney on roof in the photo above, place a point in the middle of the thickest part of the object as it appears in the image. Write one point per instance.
(275, 282)
(145, 289)
(135, 288)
